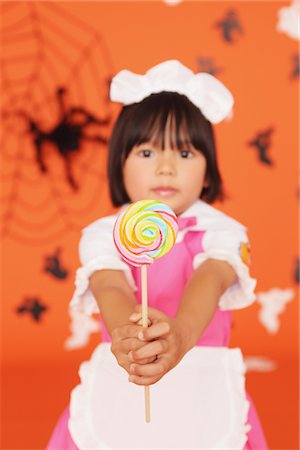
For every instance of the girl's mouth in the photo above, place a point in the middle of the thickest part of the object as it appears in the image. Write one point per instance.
(165, 191)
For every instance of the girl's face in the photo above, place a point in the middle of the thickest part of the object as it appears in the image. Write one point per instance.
(175, 177)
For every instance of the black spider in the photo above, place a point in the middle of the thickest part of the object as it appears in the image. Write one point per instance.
(53, 265)
(262, 143)
(33, 306)
(229, 25)
(67, 135)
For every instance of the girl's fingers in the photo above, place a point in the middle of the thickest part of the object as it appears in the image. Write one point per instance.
(153, 313)
(148, 370)
(144, 381)
(148, 360)
(137, 318)
(131, 344)
(155, 331)
(149, 350)
(150, 373)
(123, 361)
(127, 331)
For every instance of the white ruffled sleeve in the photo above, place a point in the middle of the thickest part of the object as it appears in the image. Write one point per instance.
(96, 251)
(230, 244)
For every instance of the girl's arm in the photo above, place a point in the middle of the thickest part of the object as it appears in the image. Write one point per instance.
(114, 296)
(201, 297)
(197, 307)
(116, 302)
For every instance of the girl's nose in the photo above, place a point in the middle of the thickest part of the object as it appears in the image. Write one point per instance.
(166, 163)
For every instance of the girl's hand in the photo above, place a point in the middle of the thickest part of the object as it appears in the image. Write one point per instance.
(163, 343)
(124, 341)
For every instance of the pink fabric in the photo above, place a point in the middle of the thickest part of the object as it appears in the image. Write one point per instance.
(173, 270)
(166, 281)
(61, 438)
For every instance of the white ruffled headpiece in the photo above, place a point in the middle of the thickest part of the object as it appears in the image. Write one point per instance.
(213, 99)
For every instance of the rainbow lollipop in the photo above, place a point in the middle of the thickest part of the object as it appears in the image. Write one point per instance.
(146, 230)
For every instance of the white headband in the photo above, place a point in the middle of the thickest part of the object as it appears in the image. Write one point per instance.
(213, 99)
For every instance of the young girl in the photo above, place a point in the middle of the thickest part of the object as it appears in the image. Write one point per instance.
(162, 148)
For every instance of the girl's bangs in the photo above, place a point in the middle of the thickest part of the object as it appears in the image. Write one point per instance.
(166, 129)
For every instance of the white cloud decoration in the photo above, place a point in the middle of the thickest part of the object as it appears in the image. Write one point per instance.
(81, 326)
(172, 2)
(289, 20)
(272, 305)
(259, 364)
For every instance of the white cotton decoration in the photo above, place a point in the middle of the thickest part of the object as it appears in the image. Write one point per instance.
(259, 364)
(172, 2)
(289, 20)
(81, 327)
(272, 304)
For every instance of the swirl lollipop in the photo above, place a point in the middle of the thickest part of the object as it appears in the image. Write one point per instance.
(146, 230)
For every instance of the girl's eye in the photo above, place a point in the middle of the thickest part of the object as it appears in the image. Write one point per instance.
(145, 153)
(186, 154)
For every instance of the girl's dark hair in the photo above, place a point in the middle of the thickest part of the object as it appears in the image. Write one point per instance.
(147, 121)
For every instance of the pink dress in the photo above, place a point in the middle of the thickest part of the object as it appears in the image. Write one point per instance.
(198, 240)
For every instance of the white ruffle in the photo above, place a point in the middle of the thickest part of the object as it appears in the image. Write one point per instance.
(83, 299)
(200, 404)
(241, 293)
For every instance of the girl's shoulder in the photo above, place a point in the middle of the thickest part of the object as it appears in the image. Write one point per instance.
(103, 224)
(211, 218)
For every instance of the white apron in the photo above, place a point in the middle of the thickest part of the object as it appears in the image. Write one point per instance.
(200, 404)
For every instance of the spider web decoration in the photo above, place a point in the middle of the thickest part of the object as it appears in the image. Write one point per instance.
(47, 53)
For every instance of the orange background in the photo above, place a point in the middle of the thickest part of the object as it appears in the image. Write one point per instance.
(81, 45)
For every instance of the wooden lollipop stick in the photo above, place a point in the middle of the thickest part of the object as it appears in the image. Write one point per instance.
(139, 245)
(145, 324)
